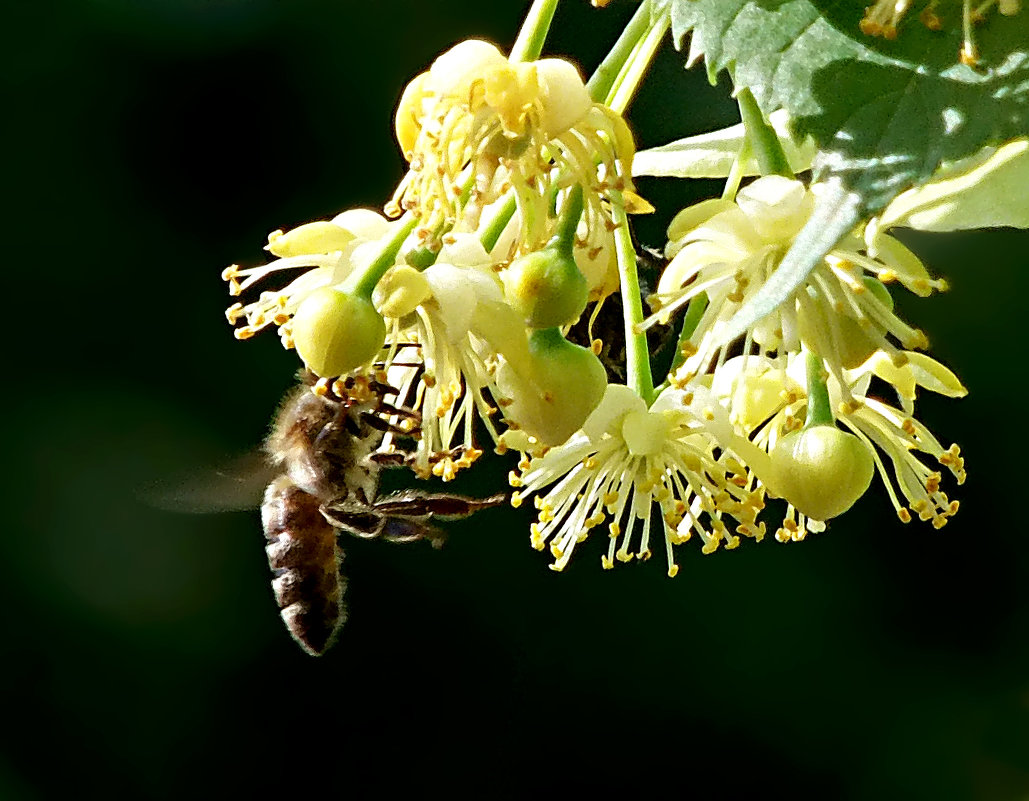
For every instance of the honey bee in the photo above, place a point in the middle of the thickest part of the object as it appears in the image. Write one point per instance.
(323, 444)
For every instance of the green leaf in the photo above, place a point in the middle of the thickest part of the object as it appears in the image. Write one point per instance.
(883, 114)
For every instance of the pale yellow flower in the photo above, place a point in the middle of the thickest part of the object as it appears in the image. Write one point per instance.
(628, 459)
(477, 126)
(766, 399)
(727, 251)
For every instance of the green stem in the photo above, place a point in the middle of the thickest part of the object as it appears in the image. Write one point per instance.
(529, 44)
(564, 238)
(631, 74)
(637, 353)
(603, 79)
(363, 283)
(690, 321)
(771, 158)
(819, 407)
(491, 234)
(737, 170)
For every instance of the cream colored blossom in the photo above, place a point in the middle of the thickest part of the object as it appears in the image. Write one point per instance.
(326, 252)
(886, 430)
(448, 325)
(727, 251)
(476, 126)
(626, 460)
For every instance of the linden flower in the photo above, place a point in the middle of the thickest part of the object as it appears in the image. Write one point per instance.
(447, 324)
(476, 125)
(627, 459)
(767, 400)
(727, 250)
(327, 251)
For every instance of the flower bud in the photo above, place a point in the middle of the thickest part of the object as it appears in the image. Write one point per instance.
(821, 470)
(566, 384)
(564, 96)
(334, 332)
(546, 288)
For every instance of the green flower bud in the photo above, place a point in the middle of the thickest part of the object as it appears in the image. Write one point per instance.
(566, 384)
(334, 332)
(546, 288)
(821, 470)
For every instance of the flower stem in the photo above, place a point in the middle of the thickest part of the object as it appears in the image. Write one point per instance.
(529, 44)
(363, 283)
(605, 76)
(637, 353)
(819, 407)
(690, 320)
(771, 158)
(631, 74)
(564, 237)
(491, 234)
(736, 171)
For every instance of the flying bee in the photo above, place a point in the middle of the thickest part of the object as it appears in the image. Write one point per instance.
(324, 445)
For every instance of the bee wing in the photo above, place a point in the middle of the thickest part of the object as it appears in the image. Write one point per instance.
(236, 486)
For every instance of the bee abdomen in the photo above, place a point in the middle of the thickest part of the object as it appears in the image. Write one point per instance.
(305, 557)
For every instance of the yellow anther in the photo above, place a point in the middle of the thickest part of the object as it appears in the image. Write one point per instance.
(244, 332)
(234, 312)
(673, 570)
(606, 562)
(623, 556)
(513, 479)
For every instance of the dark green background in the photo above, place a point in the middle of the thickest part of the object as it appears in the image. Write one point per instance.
(153, 142)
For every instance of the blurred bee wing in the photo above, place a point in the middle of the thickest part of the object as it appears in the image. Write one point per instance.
(236, 486)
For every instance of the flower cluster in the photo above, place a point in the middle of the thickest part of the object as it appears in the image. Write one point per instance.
(506, 236)
(469, 298)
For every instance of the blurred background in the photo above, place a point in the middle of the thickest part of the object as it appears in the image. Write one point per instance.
(152, 143)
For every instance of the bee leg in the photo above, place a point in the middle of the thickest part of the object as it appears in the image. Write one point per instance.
(410, 529)
(379, 424)
(412, 503)
(367, 522)
(394, 459)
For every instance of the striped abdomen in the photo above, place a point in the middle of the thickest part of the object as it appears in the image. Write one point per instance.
(304, 556)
